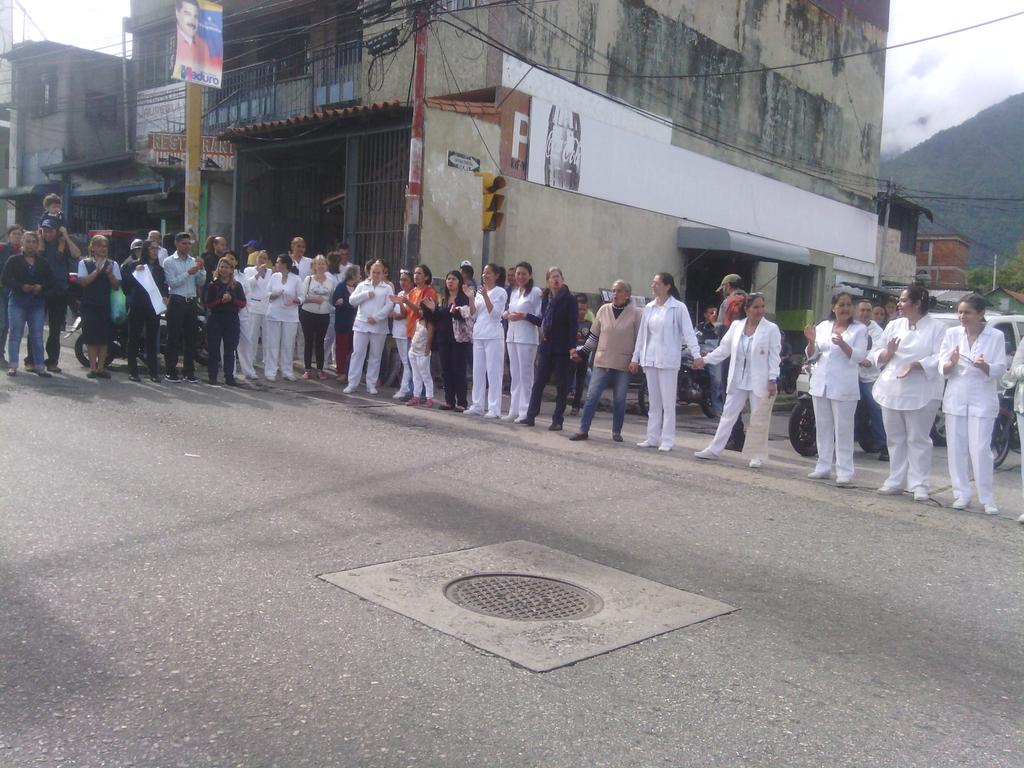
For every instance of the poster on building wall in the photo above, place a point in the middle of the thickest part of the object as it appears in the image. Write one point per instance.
(199, 53)
(563, 148)
(160, 110)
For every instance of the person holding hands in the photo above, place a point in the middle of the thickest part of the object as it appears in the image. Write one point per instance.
(524, 318)
(284, 295)
(224, 299)
(664, 329)
(753, 346)
(836, 347)
(909, 389)
(973, 359)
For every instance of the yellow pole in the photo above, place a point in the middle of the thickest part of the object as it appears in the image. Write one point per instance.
(193, 155)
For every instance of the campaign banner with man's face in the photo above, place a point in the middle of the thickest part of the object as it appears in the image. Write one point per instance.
(199, 54)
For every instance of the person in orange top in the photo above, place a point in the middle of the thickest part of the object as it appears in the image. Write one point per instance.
(422, 291)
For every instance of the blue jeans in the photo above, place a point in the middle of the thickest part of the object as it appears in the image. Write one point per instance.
(19, 312)
(5, 296)
(719, 374)
(599, 379)
(874, 413)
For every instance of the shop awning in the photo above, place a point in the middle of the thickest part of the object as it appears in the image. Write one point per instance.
(720, 239)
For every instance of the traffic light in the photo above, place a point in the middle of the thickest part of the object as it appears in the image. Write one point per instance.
(494, 201)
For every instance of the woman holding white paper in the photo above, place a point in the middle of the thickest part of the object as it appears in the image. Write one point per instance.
(973, 358)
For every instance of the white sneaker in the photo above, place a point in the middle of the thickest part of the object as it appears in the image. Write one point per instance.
(889, 490)
(348, 390)
(921, 493)
(1021, 518)
(991, 509)
(756, 463)
(645, 444)
(519, 420)
(491, 416)
(706, 453)
(371, 390)
(510, 417)
(289, 377)
(844, 482)
(473, 412)
(400, 395)
(961, 504)
(664, 448)
(819, 474)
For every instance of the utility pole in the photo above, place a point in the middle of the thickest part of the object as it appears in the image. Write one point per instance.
(124, 82)
(193, 155)
(885, 234)
(414, 191)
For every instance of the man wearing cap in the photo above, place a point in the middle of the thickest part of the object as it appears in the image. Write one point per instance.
(249, 248)
(59, 251)
(733, 300)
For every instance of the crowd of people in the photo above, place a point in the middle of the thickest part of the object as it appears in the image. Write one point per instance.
(905, 367)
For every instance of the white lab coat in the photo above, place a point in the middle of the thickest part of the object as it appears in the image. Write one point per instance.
(257, 290)
(377, 306)
(523, 331)
(285, 308)
(969, 391)
(835, 375)
(663, 332)
(765, 351)
(920, 344)
(487, 325)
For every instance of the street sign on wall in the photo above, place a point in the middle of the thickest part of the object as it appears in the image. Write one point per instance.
(463, 162)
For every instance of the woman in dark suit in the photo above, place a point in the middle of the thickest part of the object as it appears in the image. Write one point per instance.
(557, 339)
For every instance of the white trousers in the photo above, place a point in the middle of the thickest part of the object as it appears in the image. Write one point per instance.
(661, 398)
(734, 402)
(253, 327)
(833, 425)
(405, 384)
(970, 435)
(909, 441)
(279, 348)
(488, 370)
(366, 350)
(521, 361)
(1020, 431)
(422, 380)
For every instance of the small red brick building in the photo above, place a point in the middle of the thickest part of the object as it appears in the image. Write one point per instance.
(943, 259)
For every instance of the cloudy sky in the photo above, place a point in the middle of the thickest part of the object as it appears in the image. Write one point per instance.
(929, 86)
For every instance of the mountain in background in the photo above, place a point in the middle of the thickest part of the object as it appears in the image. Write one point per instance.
(982, 157)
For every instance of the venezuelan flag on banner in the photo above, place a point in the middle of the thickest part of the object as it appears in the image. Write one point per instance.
(199, 54)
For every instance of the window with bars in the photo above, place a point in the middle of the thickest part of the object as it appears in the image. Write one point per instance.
(155, 57)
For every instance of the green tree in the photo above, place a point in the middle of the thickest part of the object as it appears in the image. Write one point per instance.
(979, 279)
(1011, 273)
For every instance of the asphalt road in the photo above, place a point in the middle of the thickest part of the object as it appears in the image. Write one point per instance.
(159, 547)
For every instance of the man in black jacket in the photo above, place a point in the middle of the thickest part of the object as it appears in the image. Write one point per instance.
(28, 277)
(143, 319)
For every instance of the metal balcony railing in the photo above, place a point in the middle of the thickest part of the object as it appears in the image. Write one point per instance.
(287, 87)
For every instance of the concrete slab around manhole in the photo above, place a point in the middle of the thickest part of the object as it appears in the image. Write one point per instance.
(634, 608)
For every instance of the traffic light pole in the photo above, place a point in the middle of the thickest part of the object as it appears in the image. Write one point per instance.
(487, 249)
(414, 191)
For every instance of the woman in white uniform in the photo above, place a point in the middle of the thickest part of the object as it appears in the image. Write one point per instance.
(256, 283)
(370, 330)
(400, 334)
(754, 347)
(836, 347)
(1016, 376)
(973, 359)
(524, 318)
(909, 389)
(284, 294)
(488, 345)
(664, 328)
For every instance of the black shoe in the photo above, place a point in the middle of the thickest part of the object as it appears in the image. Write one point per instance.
(231, 383)
(43, 374)
(103, 374)
(135, 378)
(173, 378)
(155, 378)
(528, 423)
(192, 379)
(54, 368)
(212, 382)
(579, 436)
(556, 426)
(883, 455)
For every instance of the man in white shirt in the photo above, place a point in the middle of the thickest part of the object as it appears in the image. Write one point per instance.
(868, 373)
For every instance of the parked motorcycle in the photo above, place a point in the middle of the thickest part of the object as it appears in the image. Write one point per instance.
(118, 347)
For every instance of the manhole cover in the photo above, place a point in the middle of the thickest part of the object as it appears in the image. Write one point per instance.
(522, 597)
